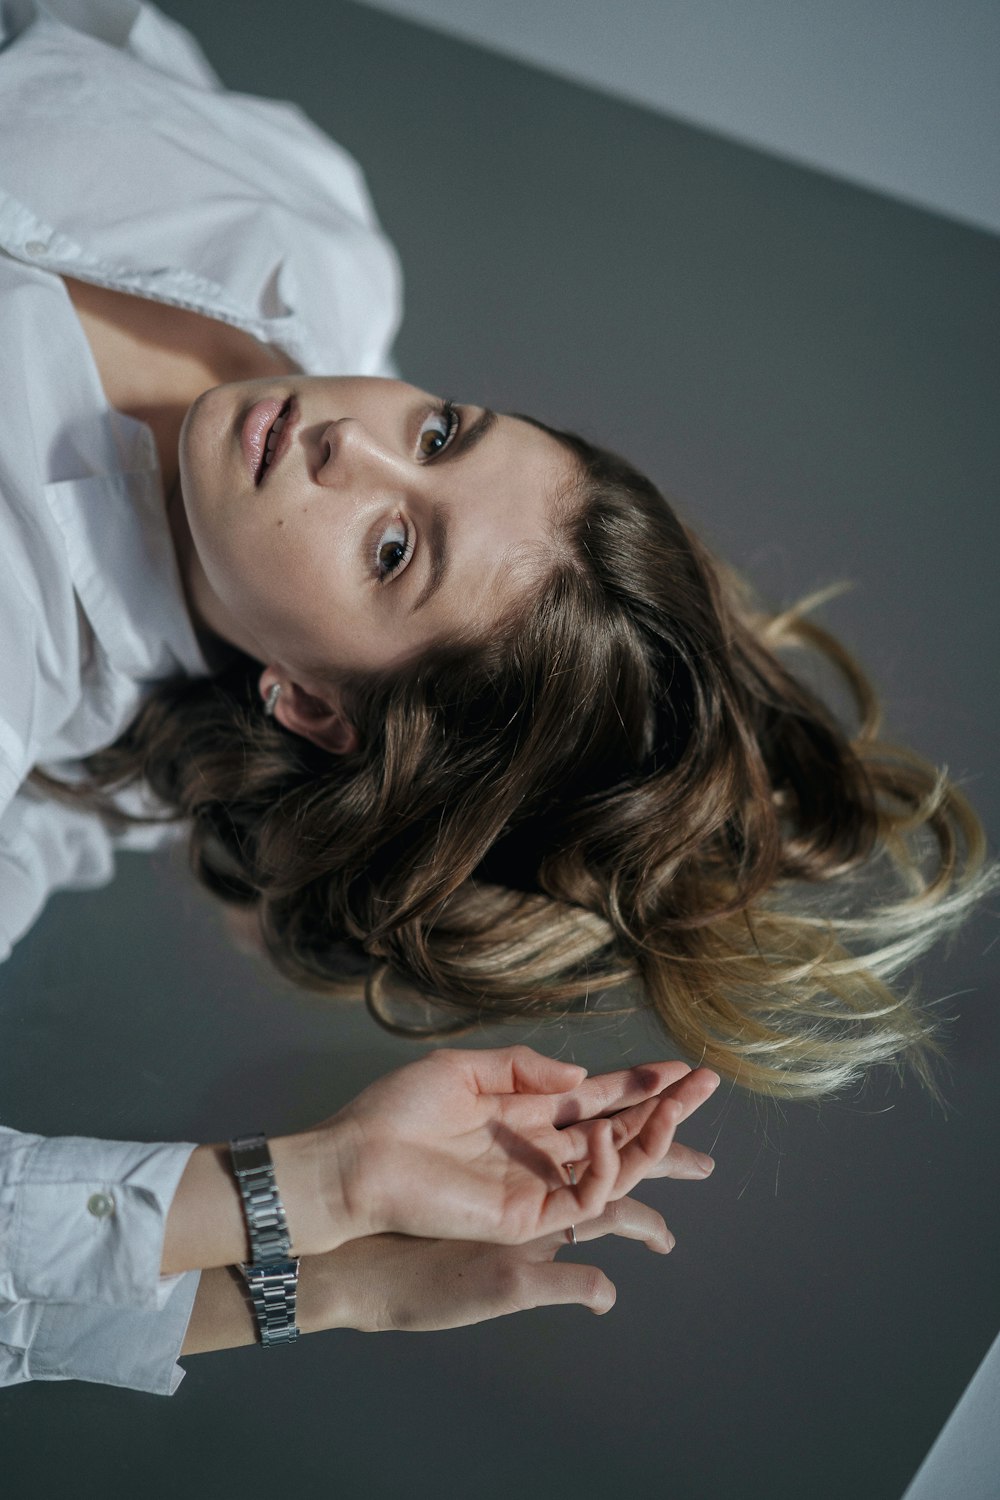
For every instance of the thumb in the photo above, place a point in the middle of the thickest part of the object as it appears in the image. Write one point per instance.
(534, 1073)
(556, 1282)
(517, 1070)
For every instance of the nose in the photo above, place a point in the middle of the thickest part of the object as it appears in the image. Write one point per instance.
(351, 452)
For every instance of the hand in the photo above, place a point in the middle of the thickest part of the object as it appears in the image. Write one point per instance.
(390, 1281)
(474, 1145)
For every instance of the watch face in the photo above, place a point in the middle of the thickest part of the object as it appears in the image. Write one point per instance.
(250, 1154)
(265, 1270)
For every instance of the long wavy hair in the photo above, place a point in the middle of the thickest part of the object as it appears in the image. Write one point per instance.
(625, 783)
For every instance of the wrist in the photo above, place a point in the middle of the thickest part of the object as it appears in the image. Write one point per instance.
(295, 1175)
(321, 1166)
(324, 1294)
(206, 1226)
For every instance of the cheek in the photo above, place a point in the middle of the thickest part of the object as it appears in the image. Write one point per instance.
(295, 580)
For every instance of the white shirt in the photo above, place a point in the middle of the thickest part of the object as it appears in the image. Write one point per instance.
(125, 163)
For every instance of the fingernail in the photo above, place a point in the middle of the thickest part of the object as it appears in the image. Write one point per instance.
(668, 1244)
(706, 1164)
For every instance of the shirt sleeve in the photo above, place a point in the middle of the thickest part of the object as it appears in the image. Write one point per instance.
(82, 1225)
(44, 847)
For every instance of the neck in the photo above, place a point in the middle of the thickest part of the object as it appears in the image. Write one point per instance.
(154, 360)
(216, 650)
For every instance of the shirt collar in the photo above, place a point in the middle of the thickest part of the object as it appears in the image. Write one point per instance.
(122, 561)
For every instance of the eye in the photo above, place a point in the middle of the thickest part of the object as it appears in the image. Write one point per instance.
(392, 551)
(450, 420)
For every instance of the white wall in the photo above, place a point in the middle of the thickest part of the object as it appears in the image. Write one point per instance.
(902, 96)
(965, 1460)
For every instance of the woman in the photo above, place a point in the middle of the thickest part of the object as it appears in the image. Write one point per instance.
(146, 228)
(527, 737)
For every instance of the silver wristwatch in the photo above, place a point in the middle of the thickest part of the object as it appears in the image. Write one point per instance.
(271, 1276)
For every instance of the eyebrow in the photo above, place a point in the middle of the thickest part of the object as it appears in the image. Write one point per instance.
(437, 538)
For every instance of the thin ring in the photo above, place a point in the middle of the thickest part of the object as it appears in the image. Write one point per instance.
(572, 1182)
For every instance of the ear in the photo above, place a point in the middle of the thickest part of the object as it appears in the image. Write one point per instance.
(317, 719)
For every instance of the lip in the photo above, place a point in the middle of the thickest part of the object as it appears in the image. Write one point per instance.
(256, 426)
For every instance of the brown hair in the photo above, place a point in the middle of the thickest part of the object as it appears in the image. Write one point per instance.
(625, 782)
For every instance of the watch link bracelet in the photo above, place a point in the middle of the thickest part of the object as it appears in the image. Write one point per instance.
(271, 1276)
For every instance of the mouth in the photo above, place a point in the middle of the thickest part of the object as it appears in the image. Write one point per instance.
(266, 435)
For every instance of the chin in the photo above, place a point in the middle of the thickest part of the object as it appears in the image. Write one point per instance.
(203, 443)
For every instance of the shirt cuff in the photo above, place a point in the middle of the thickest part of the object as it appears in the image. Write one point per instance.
(106, 1346)
(83, 1221)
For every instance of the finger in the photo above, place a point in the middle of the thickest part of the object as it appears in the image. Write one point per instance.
(694, 1090)
(680, 1162)
(552, 1282)
(690, 1092)
(683, 1164)
(650, 1146)
(520, 1070)
(602, 1172)
(595, 1180)
(629, 1219)
(574, 1140)
(606, 1093)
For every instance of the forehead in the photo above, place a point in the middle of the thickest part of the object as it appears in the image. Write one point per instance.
(519, 482)
(506, 507)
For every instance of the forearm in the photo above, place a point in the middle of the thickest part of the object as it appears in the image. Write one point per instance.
(206, 1226)
(222, 1317)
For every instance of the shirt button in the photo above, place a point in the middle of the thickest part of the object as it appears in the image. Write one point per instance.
(36, 247)
(101, 1205)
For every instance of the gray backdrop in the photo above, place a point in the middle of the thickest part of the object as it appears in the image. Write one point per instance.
(812, 370)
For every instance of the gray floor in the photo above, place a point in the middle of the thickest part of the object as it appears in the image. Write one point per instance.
(813, 371)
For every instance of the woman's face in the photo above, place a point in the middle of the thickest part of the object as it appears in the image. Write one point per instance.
(383, 526)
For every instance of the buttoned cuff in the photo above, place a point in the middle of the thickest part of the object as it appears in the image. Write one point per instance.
(105, 1346)
(83, 1221)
